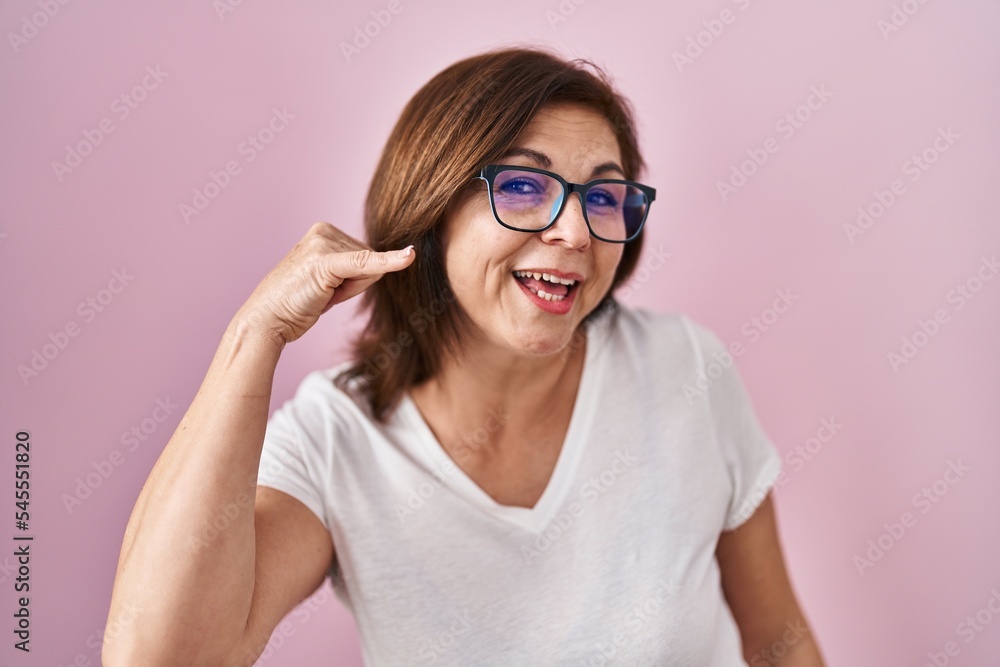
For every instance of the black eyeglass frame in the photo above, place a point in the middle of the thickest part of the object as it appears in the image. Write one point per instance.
(490, 171)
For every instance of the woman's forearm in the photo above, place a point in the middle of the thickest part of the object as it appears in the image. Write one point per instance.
(789, 650)
(185, 574)
(804, 654)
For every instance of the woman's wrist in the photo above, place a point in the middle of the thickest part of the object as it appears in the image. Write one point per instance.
(246, 328)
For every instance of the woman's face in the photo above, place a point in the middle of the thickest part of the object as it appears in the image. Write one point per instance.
(486, 263)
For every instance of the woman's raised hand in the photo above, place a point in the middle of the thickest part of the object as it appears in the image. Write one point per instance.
(324, 268)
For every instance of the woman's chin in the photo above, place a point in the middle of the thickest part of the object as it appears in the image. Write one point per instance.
(540, 343)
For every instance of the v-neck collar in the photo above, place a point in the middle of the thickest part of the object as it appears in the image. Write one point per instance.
(532, 519)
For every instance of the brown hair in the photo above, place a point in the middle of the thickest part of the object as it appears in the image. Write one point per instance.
(462, 119)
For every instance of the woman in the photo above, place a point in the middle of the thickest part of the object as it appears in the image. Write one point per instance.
(513, 469)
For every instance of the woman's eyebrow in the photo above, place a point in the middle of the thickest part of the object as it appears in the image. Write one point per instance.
(545, 162)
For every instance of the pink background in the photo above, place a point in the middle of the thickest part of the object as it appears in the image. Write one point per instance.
(826, 357)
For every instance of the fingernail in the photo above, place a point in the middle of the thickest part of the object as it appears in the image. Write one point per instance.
(405, 252)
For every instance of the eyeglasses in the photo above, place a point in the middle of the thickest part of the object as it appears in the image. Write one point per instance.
(527, 199)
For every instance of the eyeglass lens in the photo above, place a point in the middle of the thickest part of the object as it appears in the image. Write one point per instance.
(529, 201)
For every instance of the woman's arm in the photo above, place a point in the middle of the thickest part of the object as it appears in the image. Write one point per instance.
(757, 588)
(186, 583)
(203, 575)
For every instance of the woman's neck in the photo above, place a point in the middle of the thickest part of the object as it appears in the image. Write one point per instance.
(486, 382)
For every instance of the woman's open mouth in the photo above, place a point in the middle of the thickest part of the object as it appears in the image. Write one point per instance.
(552, 293)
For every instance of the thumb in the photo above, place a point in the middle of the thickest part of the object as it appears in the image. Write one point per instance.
(354, 272)
(367, 263)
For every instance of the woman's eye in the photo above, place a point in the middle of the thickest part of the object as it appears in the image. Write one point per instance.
(519, 186)
(601, 198)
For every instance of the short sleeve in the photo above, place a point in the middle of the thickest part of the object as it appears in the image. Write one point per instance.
(291, 455)
(752, 460)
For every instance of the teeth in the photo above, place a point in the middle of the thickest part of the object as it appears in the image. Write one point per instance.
(549, 297)
(546, 277)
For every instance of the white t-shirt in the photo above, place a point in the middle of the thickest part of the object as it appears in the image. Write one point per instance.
(615, 563)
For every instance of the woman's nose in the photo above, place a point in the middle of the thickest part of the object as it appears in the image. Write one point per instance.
(570, 227)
